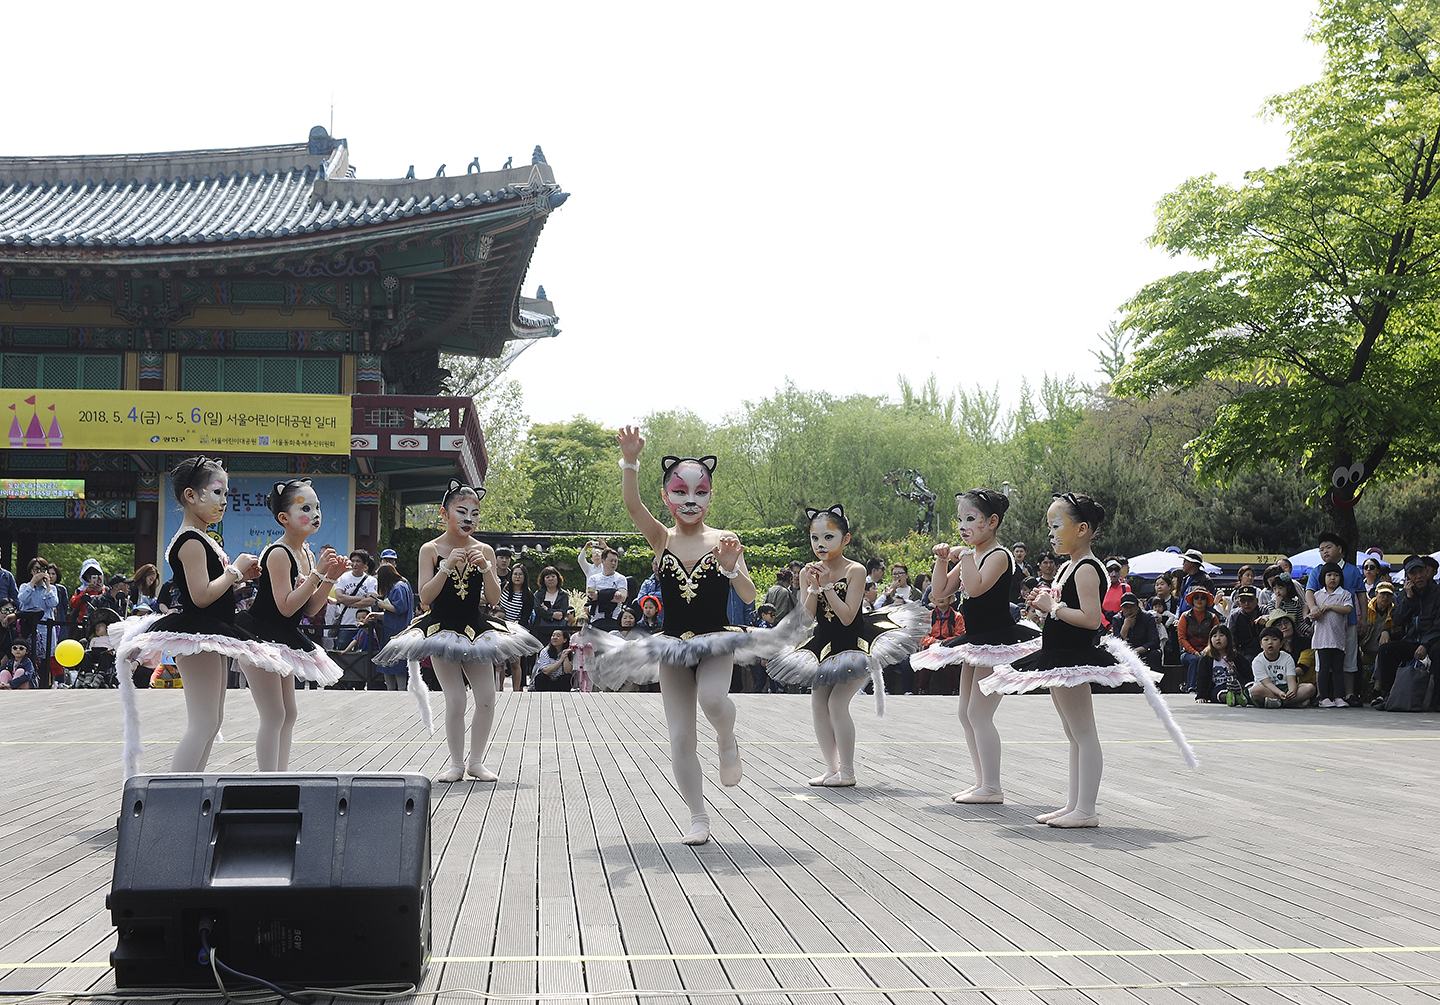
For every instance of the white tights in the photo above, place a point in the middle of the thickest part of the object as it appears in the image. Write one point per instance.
(834, 728)
(977, 718)
(680, 690)
(204, 677)
(274, 696)
(1077, 715)
(452, 676)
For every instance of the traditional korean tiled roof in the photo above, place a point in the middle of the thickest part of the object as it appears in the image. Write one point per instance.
(240, 195)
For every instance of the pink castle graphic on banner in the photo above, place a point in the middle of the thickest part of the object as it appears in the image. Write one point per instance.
(34, 436)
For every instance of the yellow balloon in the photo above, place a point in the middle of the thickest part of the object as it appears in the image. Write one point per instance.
(69, 653)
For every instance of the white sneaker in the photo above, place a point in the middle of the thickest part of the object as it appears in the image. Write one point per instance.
(1326, 703)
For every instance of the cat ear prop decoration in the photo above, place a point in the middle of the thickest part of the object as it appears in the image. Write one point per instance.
(1347, 482)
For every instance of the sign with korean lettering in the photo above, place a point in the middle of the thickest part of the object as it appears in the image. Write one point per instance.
(42, 488)
(177, 421)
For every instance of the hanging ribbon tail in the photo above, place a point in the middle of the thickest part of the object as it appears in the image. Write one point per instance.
(877, 678)
(1146, 678)
(421, 694)
(130, 714)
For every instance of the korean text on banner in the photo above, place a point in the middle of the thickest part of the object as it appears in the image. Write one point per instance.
(178, 421)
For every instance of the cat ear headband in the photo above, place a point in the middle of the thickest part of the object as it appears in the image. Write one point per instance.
(670, 462)
(459, 486)
(837, 511)
(277, 493)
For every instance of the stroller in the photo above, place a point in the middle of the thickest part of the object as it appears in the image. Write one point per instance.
(97, 670)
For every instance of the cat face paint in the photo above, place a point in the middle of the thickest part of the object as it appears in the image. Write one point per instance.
(974, 526)
(304, 512)
(826, 538)
(687, 493)
(211, 499)
(1065, 531)
(463, 514)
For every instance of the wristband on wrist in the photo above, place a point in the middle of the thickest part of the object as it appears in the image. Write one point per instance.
(630, 465)
(231, 570)
(728, 573)
(1055, 611)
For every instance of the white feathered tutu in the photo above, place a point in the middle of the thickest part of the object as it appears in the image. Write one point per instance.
(492, 641)
(618, 661)
(1118, 664)
(833, 655)
(961, 649)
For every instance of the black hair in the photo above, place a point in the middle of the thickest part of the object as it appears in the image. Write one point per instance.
(459, 488)
(283, 494)
(504, 550)
(1229, 638)
(1335, 539)
(1330, 567)
(191, 472)
(873, 564)
(1082, 509)
(987, 501)
(1271, 631)
(365, 557)
(835, 513)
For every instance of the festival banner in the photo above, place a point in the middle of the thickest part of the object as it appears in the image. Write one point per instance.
(42, 488)
(178, 421)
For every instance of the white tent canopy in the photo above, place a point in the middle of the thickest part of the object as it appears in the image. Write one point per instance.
(1152, 563)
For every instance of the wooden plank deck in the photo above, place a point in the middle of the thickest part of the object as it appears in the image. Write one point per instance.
(1298, 866)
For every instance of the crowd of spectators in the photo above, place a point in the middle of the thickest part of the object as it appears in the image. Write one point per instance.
(1336, 637)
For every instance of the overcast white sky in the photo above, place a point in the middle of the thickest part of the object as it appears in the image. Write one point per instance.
(832, 193)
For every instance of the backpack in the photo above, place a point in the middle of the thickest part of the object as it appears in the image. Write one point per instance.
(1413, 690)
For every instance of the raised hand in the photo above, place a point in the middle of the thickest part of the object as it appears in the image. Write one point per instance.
(631, 443)
(728, 551)
(941, 551)
(249, 567)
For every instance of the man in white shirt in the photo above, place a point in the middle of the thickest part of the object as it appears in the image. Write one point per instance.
(607, 590)
(350, 596)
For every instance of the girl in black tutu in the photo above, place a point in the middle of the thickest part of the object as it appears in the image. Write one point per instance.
(698, 567)
(846, 646)
(457, 576)
(1069, 659)
(293, 584)
(985, 570)
(202, 635)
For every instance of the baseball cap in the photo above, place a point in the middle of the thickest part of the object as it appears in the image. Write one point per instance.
(389, 553)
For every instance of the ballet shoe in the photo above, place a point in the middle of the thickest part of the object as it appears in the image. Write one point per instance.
(1074, 819)
(979, 795)
(481, 773)
(823, 779)
(699, 833)
(840, 780)
(955, 796)
(730, 774)
(1045, 818)
(453, 773)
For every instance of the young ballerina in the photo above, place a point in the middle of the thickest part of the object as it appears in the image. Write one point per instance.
(203, 633)
(293, 584)
(846, 647)
(992, 637)
(1069, 660)
(692, 660)
(457, 575)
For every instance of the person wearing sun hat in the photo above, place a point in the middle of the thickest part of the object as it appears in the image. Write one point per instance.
(1192, 567)
(1196, 624)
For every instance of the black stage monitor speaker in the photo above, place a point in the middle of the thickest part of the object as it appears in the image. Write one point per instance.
(298, 878)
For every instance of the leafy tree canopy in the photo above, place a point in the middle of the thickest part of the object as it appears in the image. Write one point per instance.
(1319, 299)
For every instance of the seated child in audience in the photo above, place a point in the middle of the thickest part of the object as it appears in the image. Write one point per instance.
(17, 673)
(1276, 682)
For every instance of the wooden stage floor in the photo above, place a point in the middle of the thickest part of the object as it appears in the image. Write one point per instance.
(1298, 865)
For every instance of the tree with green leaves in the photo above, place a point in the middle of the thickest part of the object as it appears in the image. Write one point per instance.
(574, 482)
(1318, 300)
